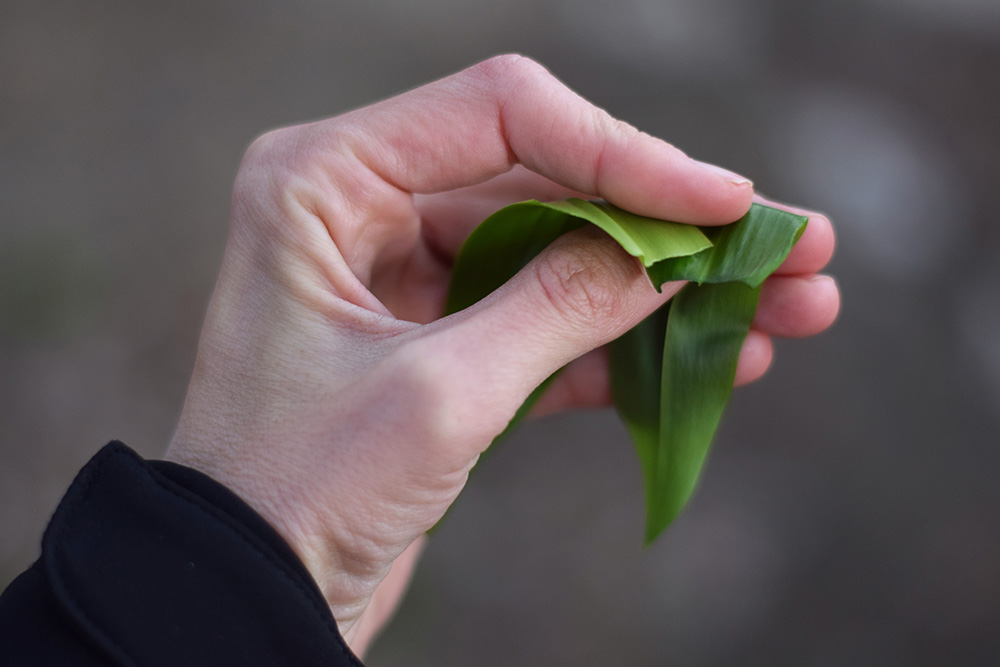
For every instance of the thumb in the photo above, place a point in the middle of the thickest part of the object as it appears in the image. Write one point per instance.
(583, 291)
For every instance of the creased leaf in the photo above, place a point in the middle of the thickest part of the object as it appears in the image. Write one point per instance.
(672, 374)
(747, 251)
(507, 240)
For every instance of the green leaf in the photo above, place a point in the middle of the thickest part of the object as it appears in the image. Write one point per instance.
(507, 240)
(636, 366)
(671, 378)
(672, 374)
(747, 251)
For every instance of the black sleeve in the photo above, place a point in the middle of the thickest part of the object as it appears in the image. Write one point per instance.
(152, 563)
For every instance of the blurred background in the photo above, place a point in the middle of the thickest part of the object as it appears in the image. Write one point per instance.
(850, 511)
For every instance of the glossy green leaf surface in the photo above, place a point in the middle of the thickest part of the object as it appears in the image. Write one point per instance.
(507, 240)
(691, 346)
(672, 374)
(747, 251)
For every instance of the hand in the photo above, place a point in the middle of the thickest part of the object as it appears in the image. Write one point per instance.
(326, 391)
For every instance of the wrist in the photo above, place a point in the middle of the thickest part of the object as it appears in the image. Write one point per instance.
(345, 567)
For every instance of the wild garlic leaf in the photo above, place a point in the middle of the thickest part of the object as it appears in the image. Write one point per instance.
(746, 251)
(672, 374)
(672, 424)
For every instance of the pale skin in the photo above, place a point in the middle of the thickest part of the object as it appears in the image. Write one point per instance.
(328, 390)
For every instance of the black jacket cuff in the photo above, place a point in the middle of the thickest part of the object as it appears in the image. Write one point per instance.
(152, 563)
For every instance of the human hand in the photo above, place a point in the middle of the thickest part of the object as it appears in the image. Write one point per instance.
(327, 392)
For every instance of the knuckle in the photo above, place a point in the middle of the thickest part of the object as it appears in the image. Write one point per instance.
(266, 150)
(292, 153)
(282, 172)
(613, 129)
(263, 168)
(585, 280)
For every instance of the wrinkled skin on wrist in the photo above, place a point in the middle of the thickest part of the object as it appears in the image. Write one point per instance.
(328, 393)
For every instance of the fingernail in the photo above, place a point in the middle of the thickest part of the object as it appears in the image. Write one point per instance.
(730, 176)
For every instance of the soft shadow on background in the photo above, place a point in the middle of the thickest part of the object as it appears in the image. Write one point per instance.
(850, 512)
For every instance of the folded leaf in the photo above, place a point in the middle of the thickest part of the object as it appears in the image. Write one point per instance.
(672, 374)
(746, 251)
(672, 424)
(507, 240)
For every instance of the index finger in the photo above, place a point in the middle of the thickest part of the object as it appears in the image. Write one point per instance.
(477, 124)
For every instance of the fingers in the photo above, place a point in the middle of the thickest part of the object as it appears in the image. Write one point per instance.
(814, 250)
(582, 384)
(756, 356)
(584, 291)
(449, 218)
(474, 125)
(797, 306)
(789, 307)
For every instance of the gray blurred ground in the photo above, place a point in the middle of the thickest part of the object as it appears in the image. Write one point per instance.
(850, 514)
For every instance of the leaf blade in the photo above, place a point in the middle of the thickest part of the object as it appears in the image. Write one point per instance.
(746, 251)
(705, 331)
(672, 374)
